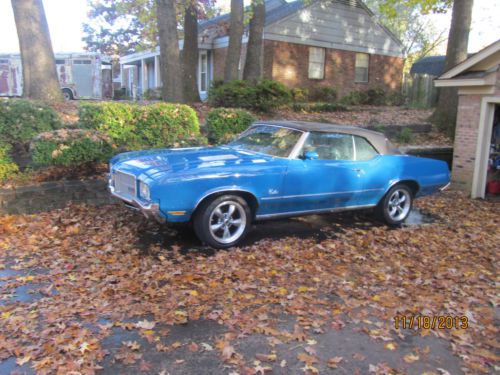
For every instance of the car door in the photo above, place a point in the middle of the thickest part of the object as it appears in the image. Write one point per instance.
(333, 180)
(374, 172)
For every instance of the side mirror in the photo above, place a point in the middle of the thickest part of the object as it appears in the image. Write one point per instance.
(311, 155)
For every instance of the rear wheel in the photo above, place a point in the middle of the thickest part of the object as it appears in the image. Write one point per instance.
(67, 94)
(222, 222)
(396, 205)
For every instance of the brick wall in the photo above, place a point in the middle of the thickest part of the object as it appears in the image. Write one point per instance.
(468, 115)
(469, 108)
(289, 63)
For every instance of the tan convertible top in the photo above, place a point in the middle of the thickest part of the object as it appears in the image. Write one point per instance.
(378, 140)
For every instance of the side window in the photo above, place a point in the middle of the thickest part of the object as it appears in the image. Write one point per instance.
(364, 150)
(330, 146)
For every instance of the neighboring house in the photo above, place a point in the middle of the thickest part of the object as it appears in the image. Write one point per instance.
(335, 43)
(418, 86)
(476, 158)
(81, 75)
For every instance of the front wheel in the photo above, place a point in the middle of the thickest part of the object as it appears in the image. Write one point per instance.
(396, 205)
(223, 221)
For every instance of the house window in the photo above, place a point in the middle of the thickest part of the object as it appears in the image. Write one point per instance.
(362, 64)
(316, 63)
(203, 71)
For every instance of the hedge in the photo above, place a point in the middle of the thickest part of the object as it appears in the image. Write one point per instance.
(375, 96)
(7, 165)
(263, 96)
(134, 127)
(21, 120)
(319, 107)
(70, 147)
(225, 123)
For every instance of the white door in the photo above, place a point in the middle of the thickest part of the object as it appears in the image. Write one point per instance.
(203, 75)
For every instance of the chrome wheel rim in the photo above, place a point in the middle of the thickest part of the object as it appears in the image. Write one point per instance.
(399, 205)
(227, 222)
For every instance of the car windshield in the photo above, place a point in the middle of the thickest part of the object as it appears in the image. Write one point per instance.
(270, 140)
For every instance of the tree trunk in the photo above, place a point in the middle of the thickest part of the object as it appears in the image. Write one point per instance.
(190, 54)
(254, 59)
(40, 79)
(445, 115)
(235, 34)
(170, 66)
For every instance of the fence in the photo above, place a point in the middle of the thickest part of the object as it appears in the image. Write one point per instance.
(420, 90)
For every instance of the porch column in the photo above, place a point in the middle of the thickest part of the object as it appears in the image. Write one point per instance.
(157, 72)
(144, 74)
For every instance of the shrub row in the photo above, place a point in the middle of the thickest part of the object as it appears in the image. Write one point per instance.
(318, 107)
(376, 96)
(132, 126)
(7, 165)
(21, 120)
(223, 124)
(263, 96)
(69, 147)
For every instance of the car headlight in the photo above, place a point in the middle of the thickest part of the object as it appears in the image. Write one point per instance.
(144, 191)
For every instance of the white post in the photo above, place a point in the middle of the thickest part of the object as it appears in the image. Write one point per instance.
(144, 74)
(157, 72)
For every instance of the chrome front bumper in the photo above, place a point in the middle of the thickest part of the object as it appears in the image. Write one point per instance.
(150, 210)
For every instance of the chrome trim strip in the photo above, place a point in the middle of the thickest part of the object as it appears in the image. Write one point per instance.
(229, 190)
(294, 154)
(312, 212)
(319, 194)
(445, 186)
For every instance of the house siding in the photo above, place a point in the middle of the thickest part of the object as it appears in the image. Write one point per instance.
(341, 24)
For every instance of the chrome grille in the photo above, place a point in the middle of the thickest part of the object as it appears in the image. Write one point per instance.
(125, 184)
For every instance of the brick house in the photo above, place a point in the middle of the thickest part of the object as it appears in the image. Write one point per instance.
(336, 43)
(476, 158)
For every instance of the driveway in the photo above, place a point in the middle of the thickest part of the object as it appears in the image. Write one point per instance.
(89, 289)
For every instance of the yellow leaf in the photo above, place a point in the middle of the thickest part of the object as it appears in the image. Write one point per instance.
(390, 346)
(6, 314)
(193, 293)
(409, 358)
(303, 289)
(149, 332)
(22, 360)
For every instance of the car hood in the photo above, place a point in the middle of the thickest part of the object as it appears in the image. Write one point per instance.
(153, 163)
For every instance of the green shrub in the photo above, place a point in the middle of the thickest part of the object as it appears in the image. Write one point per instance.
(405, 135)
(375, 96)
(116, 120)
(299, 94)
(21, 120)
(70, 147)
(318, 107)
(135, 127)
(224, 123)
(263, 96)
(152, 94)
(166, 125)
(7, 165)
(323, 94)
(355, 98)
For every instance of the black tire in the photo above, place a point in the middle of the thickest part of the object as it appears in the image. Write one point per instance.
(217, 212)
(67, 94)
(391, 214)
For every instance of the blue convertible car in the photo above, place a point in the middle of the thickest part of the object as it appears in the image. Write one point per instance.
(274, 169)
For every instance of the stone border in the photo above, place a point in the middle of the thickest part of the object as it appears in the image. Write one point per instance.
(52, 195)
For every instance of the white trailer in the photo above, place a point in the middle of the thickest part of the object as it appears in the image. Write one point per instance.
(81, 75)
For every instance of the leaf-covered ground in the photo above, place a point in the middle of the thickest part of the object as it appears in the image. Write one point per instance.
(105, 297)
